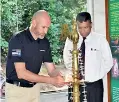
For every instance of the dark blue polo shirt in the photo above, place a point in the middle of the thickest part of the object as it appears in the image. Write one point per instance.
(24, 48)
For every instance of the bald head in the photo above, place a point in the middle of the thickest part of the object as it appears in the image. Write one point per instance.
(40, 23)
(40, 15)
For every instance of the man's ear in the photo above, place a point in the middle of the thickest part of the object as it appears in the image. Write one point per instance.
(91, 24)
(33, 23)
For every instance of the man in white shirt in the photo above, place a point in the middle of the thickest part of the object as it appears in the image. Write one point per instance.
(97, 60)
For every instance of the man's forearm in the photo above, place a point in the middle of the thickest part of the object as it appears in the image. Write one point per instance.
(54, 73)
(32, 77)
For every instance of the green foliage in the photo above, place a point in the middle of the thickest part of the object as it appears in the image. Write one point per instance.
(8, 19)
(16, 15)
(4, 48)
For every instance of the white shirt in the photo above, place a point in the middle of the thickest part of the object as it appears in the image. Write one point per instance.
(98, 57)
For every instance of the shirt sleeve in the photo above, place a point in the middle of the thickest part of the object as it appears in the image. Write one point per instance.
(15, 52)
(107, 60)
(47, 56)
(67, 56)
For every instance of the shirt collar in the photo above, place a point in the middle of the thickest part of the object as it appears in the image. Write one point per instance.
(87, 38)
(30, 35)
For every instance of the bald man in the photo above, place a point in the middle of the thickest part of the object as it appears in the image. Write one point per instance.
(28, 49)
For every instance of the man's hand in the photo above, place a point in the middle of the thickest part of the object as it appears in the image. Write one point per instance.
(69, 78)
(57, 81)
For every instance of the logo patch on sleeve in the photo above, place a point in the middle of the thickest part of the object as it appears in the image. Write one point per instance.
(16, 52)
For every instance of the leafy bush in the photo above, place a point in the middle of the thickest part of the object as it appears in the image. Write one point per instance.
(16, 15)
(4, 48)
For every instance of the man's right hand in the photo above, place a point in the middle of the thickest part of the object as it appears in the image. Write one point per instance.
(57, 81)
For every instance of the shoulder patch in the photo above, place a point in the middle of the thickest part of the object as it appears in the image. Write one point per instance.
(16, 52)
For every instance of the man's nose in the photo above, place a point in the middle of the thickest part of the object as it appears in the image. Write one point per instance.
(83, 29)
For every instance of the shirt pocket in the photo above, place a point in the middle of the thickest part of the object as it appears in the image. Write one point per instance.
(94, 53)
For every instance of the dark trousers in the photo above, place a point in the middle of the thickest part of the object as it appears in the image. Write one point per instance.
(94, 92)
